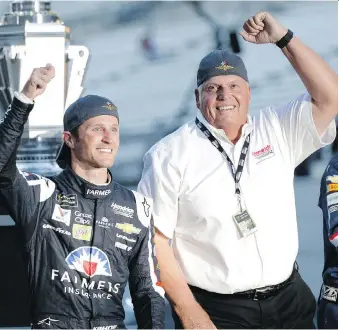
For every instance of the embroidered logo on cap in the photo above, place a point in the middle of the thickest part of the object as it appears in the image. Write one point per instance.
(224, 66)
(110, 106)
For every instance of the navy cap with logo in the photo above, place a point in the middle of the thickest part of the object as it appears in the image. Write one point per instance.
(77, 113)
(218, 63)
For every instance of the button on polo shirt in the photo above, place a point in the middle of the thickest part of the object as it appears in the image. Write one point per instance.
(193, 189)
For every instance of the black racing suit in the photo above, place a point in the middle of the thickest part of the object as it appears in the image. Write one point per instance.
(82, 242)
(327, 313)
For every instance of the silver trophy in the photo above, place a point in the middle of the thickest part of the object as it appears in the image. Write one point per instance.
(31, 35)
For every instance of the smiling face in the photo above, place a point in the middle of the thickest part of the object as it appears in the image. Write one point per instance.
(97, 142)
(224, 101)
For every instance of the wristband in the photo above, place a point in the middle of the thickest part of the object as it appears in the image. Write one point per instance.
(285, 39)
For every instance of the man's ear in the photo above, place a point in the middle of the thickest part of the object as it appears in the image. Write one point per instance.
(68, 139)
(197, 98)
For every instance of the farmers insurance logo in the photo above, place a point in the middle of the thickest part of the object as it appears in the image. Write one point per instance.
(90, 261)
(98, 192)
(90, 266)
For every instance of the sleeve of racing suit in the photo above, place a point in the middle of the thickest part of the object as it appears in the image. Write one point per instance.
(20, 193)
(146, 291)
(328, 200)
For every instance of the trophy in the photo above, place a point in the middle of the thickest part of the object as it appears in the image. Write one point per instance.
(31, 35)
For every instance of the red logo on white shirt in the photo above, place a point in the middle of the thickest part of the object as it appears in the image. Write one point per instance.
(263, 152)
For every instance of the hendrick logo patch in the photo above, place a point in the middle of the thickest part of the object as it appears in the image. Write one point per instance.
(125, 211)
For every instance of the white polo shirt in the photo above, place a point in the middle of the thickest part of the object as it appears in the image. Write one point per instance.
(193, 190)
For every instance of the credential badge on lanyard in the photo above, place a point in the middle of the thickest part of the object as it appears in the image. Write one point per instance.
(242, 219)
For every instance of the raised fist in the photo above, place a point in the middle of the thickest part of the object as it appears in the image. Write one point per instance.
(38, 80)
(262, 28)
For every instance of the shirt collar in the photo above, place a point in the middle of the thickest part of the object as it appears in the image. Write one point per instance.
(87, 189)
(220, 133)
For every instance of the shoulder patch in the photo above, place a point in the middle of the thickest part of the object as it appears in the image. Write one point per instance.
(30, 176)
(144, 208)
(47, 186)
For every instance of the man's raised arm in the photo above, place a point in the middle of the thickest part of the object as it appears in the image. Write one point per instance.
(319, 78)
(12, 125)
(20, 193)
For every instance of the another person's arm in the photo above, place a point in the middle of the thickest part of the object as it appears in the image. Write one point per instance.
(319, 78)
(161, 181)
(306, 124)
(146, 291)
(191, 314)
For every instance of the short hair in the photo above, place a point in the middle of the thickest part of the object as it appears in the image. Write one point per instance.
(75, 132)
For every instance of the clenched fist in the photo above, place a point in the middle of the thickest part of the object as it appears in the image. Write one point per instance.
(263, 28)
(38, 80)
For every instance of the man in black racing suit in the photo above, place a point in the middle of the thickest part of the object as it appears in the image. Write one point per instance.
(84, 235)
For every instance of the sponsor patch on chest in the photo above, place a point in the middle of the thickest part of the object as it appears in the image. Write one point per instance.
(263, 153)
(82, 232)
(128, 228)
(67, 200)
(125, 211)
(61, 215)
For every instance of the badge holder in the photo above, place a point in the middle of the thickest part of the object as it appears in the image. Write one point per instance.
(244, 222)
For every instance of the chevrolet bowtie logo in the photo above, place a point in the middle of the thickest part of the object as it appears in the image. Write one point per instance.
(128, 228)
(110, 106)
(224, 66)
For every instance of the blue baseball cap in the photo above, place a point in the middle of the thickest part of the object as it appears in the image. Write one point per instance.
(219, 63)
(77, 113)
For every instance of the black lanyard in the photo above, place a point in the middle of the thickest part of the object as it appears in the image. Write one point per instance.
(236, 173)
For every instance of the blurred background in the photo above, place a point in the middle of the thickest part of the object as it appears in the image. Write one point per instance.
(144, 57)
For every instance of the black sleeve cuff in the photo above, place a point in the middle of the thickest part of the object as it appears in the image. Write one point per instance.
(22, 106)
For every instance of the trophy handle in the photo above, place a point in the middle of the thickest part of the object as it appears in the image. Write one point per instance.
(79, 57)
(10, 57)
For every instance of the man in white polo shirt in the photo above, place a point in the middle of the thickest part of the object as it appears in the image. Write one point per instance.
(222, 186)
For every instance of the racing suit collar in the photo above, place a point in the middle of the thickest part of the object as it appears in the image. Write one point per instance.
(87, 189)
